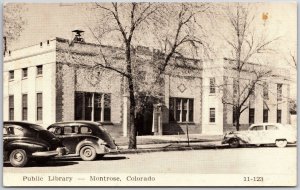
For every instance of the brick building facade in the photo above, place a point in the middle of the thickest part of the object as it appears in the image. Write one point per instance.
(56, 81)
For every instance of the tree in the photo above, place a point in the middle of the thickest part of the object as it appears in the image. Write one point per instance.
(13, 23)
(174, 26)
(246, 44)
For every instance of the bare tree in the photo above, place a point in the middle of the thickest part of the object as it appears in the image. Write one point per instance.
(13, 23)
(246, 45)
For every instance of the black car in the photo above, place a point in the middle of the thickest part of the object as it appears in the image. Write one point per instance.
(24, 141)
(84, 138)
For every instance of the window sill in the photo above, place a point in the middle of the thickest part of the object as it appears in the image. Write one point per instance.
(38, 76)
(182, 123)
(10, 80)
(212, 94)
(24, 78)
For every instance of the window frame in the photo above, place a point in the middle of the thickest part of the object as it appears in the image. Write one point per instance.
(39, 68)
(39, 107)
(251, 116)
(265, 115)
(11, 107)
(279, 91)
(24, 107)
(212, 85)
(212, 115)
(176, 109)
(279, 119)
(23, 73)
(11, 75)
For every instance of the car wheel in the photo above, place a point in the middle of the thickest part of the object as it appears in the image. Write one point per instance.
(234, 143)
(18, 158)
(87, 153)
(281, 143)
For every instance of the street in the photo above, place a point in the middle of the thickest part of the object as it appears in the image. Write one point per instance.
(261, 160)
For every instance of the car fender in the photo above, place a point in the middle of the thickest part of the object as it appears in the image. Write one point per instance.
(90, 142)
(29, 147)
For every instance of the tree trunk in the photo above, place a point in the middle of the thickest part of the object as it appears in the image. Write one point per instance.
(237, 116)
(133, 129)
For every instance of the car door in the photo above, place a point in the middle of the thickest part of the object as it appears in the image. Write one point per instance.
(256, 134)
(272, 133)
(70, 138)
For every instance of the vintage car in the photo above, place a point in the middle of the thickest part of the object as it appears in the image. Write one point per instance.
(24, 141)
(84, 138)
(262, 134)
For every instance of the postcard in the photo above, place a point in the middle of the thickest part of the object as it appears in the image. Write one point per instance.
(149, 94)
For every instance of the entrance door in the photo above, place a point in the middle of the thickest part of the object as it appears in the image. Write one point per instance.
(144, 121)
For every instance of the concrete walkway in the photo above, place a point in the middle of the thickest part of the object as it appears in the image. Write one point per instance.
(170, 143)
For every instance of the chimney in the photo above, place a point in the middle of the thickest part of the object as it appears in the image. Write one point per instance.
(78, 36)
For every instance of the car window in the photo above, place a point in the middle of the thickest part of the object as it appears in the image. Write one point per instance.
(13, 130)
(257, 128)
(70, 130)
(85, 130)
(56, 130)
(271, 127)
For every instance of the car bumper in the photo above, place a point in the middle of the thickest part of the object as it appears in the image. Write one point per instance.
(58, 152)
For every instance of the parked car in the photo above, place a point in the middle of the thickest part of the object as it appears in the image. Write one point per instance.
(260, 134)
(24, 141)
(84, 138)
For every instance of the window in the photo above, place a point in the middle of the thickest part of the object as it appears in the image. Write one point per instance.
(266, 91)
(212, 115)
(85, 130)
(278, 116)
(39, 106)
(70, 130)
(181, 109)
(24, 107)
(235, 87)
(265, 115)
(257, 128)
(106, 107)
(11, 75)
(92, 106)
(271, 127)
(39, 70)
(24, 73)
(251, 115)
(11, 107)
(14, 130)
(279, 92)
(212, 85)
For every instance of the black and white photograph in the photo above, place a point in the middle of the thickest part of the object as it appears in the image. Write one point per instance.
(126, 94)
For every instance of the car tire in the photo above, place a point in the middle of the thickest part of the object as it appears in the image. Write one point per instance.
(281, 143)
(234, 143)
(18, 158)
(87, 153)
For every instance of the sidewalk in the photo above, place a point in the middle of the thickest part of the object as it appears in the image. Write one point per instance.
(170, 143)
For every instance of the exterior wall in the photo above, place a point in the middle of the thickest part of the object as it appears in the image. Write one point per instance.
(75, 74)
(29, 58)
(191, 89)
(212, 69)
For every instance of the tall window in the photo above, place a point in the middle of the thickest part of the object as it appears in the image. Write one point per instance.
(24, 107)
(39, 70)
(212, 85)
(235, 88)
(24, 72)
(181, 109)
(265, 115)
(39, 106)
(212, 115)
(266, 91)
(92, 106)
(278, 116)
(279, 92)
(11, 75)
(11, 107)
(251, 115)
